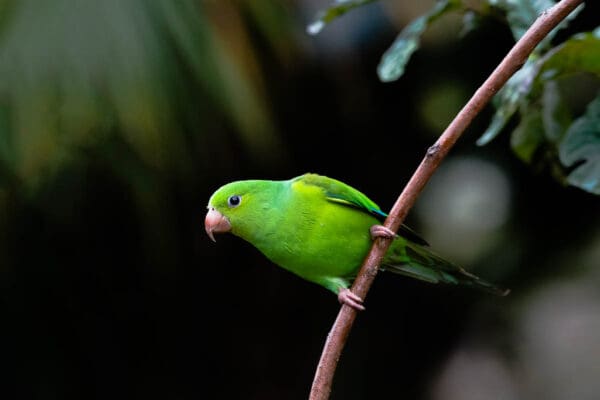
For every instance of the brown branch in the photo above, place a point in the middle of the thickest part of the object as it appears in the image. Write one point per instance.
(336, 339)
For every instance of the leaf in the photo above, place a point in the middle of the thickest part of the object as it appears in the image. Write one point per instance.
(470, 22)
(581, 53)
(556, 117)
(394, 60)
(528, 136)
(333, 12)
(546, 120)
(543, 124)
(582, 144)
(522, 14)
(508, 99)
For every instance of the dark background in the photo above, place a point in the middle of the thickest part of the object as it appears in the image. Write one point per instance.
(110, 288)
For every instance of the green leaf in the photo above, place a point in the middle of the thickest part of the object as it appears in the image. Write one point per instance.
(543, 124)
(340, 8)
(508, 99)
(556, 117)
(528, 136)
(582, 144)
(394, 60)
(581, 53)
(522, 14)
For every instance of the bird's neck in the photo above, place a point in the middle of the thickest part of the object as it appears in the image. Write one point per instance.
(269, 219)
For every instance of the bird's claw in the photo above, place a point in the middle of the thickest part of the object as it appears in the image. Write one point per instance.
(380, 231)
(347, 297)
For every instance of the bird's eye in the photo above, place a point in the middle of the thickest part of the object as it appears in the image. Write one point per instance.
(234, 201)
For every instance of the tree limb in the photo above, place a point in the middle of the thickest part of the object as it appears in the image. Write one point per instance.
(336, 339)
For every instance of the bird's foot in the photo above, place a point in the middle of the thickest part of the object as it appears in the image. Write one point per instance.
(345, 296)
(380, 231)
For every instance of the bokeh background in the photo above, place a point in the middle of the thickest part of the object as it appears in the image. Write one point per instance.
(118, 119)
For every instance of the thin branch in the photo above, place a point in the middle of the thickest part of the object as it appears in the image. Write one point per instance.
(336, 339)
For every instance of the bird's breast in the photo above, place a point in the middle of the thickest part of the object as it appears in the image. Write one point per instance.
(330, 240)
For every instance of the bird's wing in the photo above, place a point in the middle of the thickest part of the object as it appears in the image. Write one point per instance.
(341, 193)
(418, 262)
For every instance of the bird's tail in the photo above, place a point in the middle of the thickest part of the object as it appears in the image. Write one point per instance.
(417, 261)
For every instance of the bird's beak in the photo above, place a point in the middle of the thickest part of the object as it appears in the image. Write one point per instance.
(215, 222)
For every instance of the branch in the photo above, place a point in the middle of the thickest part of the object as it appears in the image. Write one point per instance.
(336, 339)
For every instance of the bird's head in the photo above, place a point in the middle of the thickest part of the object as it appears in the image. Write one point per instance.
(238, 207)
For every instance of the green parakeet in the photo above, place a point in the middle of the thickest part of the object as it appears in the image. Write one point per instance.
(321, 230)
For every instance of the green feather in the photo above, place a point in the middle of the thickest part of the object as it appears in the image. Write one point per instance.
(339, 192)
(319, 229)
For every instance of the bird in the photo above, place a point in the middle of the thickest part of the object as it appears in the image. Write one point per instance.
(321, 229)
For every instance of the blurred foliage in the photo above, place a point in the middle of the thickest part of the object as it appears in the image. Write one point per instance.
(534, 91)
(156, 77)
(397, 56)
(340, 8)
(582, 142)
(539, 91)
